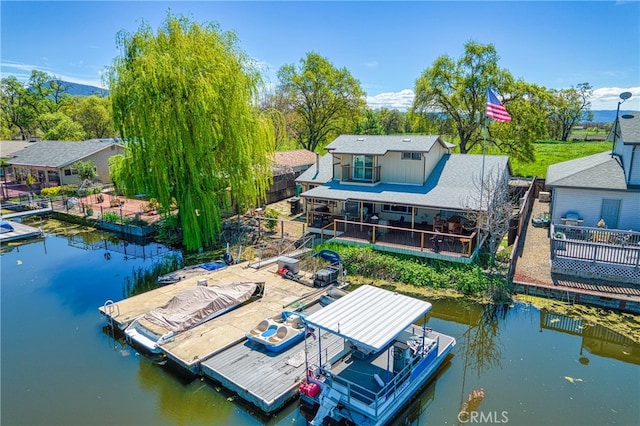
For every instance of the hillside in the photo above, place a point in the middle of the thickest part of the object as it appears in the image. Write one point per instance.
(75, 89)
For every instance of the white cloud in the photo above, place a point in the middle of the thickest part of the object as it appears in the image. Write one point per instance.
(401, 100)
(608, 98)
(605, 98)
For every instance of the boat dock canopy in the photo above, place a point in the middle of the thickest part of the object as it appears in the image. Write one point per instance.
(369, 317)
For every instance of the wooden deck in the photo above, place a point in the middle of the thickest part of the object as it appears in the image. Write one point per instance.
(266, 379)
(420, 240)
(189, 348)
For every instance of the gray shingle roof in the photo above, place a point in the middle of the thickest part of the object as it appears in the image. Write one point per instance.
(630, 128)
(59, 153)
(380, 145)
(598, 171)
(450, 185)
(325, 175)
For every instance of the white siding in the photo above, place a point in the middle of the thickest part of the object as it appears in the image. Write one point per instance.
(588, 204)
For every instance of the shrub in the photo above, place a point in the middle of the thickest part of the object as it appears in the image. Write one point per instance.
(51, 192)
(110, 217)
(153, 204)
(271, 214)
(364, 261)
(69, 190)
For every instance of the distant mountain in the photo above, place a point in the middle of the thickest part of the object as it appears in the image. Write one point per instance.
(606, 116)
(75, 89)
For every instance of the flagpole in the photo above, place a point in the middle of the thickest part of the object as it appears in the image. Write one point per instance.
(483, 117)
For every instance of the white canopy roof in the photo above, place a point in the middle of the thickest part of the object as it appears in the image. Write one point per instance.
(370, 317)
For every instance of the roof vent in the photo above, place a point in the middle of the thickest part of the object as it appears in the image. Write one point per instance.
(360, 139)
(406, 140)
(627, 116)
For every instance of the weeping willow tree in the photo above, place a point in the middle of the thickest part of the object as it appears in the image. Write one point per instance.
(185, 100)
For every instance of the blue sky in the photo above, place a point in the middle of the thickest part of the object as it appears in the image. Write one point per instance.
(385, 45)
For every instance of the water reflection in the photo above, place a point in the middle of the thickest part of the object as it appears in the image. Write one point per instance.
(183, 400)
(596, 339)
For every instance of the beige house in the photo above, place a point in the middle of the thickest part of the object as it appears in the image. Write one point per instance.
(406, 194)
(50, 162)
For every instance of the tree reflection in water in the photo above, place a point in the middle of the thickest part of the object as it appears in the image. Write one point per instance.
(481, 349)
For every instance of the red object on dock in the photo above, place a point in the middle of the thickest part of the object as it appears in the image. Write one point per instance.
(310, 389)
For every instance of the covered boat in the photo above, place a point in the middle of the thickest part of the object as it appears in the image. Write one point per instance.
(384, 361)
(278, 332)
(188, 309)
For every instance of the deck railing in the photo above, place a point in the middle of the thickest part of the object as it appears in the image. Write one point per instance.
(609, 254)
(416, 239)
(596, 244)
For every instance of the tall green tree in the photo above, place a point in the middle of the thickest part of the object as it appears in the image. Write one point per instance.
(59, 126)
(94, 114)
(392, 121)
(369, 125)
(327, 101)
(185, 99)
(569, 107)
(17, 111)
(457, 89)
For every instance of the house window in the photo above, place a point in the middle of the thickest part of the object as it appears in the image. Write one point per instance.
(395, 209)
(362, 167)
(67, 172)
(411, 156)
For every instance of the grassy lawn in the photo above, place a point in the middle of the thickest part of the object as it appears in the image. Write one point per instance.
(551, 152)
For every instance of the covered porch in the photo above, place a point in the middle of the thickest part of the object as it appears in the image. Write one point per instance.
(412, 230)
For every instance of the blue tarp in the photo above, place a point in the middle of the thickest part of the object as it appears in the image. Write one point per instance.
(213, 266)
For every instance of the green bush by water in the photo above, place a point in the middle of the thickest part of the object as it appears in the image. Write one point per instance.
(366, 262)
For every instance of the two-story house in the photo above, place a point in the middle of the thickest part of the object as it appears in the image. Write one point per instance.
(406, 194)
(595, 209)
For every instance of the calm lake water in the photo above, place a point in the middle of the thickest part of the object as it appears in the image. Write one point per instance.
(58, 366)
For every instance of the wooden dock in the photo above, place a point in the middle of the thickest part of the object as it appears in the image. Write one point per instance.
(20, 232)
(266, 379)
(189, 348)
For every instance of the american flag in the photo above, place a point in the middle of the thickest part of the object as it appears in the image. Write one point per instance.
(495, 109)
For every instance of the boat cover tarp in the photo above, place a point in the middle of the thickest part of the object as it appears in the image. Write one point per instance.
(370, 317)
(195, 304)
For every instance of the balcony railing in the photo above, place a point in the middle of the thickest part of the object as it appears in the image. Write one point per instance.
(370, 174)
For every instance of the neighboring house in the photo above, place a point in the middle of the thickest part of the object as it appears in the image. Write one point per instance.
(298, 159)
(595, 209)
(287, 166)
(7, 150)
(50, 162)
(406, 194)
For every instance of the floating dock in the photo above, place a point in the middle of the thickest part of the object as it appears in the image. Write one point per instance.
(20, 232)
(267, 379)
